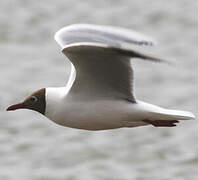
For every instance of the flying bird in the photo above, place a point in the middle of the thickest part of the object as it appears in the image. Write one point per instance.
(99, 94)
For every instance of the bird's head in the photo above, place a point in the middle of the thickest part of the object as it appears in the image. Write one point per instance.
(36, 101)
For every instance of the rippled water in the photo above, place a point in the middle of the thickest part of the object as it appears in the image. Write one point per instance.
(33, 148)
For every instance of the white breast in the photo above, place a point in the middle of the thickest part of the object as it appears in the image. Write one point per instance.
(90, 114)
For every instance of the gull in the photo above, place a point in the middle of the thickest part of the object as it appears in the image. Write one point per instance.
(99, 94)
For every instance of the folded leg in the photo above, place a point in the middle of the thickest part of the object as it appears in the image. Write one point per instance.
(162, 123)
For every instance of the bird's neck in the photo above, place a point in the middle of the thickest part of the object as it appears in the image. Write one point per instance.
(55, 93)
(54, 96)
(54, 100)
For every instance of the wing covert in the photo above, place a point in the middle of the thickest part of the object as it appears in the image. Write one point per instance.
(100, 72)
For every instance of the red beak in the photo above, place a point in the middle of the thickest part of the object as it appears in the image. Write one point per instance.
(15, 106)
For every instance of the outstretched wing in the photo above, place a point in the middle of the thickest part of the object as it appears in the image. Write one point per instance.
(108, 35)
(100, 72)
(102, 60)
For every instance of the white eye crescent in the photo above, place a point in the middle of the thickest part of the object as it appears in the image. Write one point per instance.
(33, 98)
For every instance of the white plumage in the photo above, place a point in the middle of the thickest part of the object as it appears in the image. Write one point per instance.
(99, 94)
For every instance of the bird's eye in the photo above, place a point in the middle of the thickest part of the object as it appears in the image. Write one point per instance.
(33, 99)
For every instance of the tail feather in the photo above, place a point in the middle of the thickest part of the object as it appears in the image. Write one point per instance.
(166, 114)
(169, 118)
(158, 116)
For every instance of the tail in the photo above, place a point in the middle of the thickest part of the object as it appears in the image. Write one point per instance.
(167, 114)
(169, 118)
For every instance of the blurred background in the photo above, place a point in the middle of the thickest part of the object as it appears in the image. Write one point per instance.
(33, 148)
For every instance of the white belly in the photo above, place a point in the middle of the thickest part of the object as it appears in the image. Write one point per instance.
(98, 115)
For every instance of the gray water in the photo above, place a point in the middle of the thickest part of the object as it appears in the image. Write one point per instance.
(33, 148)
